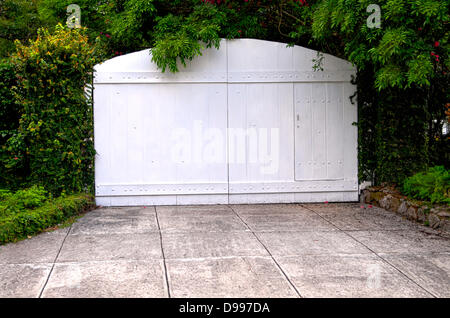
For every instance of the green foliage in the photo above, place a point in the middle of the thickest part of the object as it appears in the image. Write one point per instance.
(13, 203)
(19, 19)
(30, 221)
(8, 107)
(11, 174)
(402, 80)
(185, 31)
(54, 140)
(184, 38)
(129, 23)
(403, 52)
(432, 185)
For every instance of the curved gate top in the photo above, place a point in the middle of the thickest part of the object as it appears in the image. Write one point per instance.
(251, 122)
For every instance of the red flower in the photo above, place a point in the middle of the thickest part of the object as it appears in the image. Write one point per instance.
(15, 158)
(108, 36)
(436, 43)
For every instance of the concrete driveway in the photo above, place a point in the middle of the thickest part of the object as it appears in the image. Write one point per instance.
(280, 250)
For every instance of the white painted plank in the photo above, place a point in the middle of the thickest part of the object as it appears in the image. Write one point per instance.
(118, 134)
(319, 130)
(102, 101)
(303, 132)
(335, 131)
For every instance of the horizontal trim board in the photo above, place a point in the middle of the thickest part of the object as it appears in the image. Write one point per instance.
(290, 76)
(161, 189)
(158, 77)
(294, 187)
(221, 77)
(207, 199)
(311, 197)
(223, 188)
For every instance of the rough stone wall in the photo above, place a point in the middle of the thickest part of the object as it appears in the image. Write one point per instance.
(436, 217)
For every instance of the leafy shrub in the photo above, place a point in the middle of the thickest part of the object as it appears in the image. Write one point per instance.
(4, 194)
(12, 203)
(32, 221)
(54, 140)
(11, 173)
(432, 185)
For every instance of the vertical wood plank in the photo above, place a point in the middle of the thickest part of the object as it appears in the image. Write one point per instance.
(335, 133)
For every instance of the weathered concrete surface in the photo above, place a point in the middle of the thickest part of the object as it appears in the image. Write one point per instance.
(290, 222)
(23, 280)
(352, 217)
(202, 223)
(430, 270)
(357, 275)
(115, 224)
(107, 279)
(278, 250)
(402, 241)
(101, 247)
(212, 244)
(305, 243)
(228, 277)
(33, 251)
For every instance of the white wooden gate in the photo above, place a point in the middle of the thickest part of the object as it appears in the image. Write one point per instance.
(248, 123)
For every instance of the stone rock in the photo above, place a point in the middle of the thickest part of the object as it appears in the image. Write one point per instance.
(395, 203)
(434, 220)
(376, 196)
(444, 214)
(403, 208)
(385, 202)
(421, 215)
(412, 213)
(365, 196)
(445, 226)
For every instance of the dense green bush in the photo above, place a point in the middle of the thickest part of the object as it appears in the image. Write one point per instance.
(11, 173)
(432, 185)
(13, 203)
(23, 222)
(54, 140)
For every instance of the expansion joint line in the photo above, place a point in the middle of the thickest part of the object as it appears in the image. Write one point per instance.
(163, 254)
(267, 250)
(54, 262)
